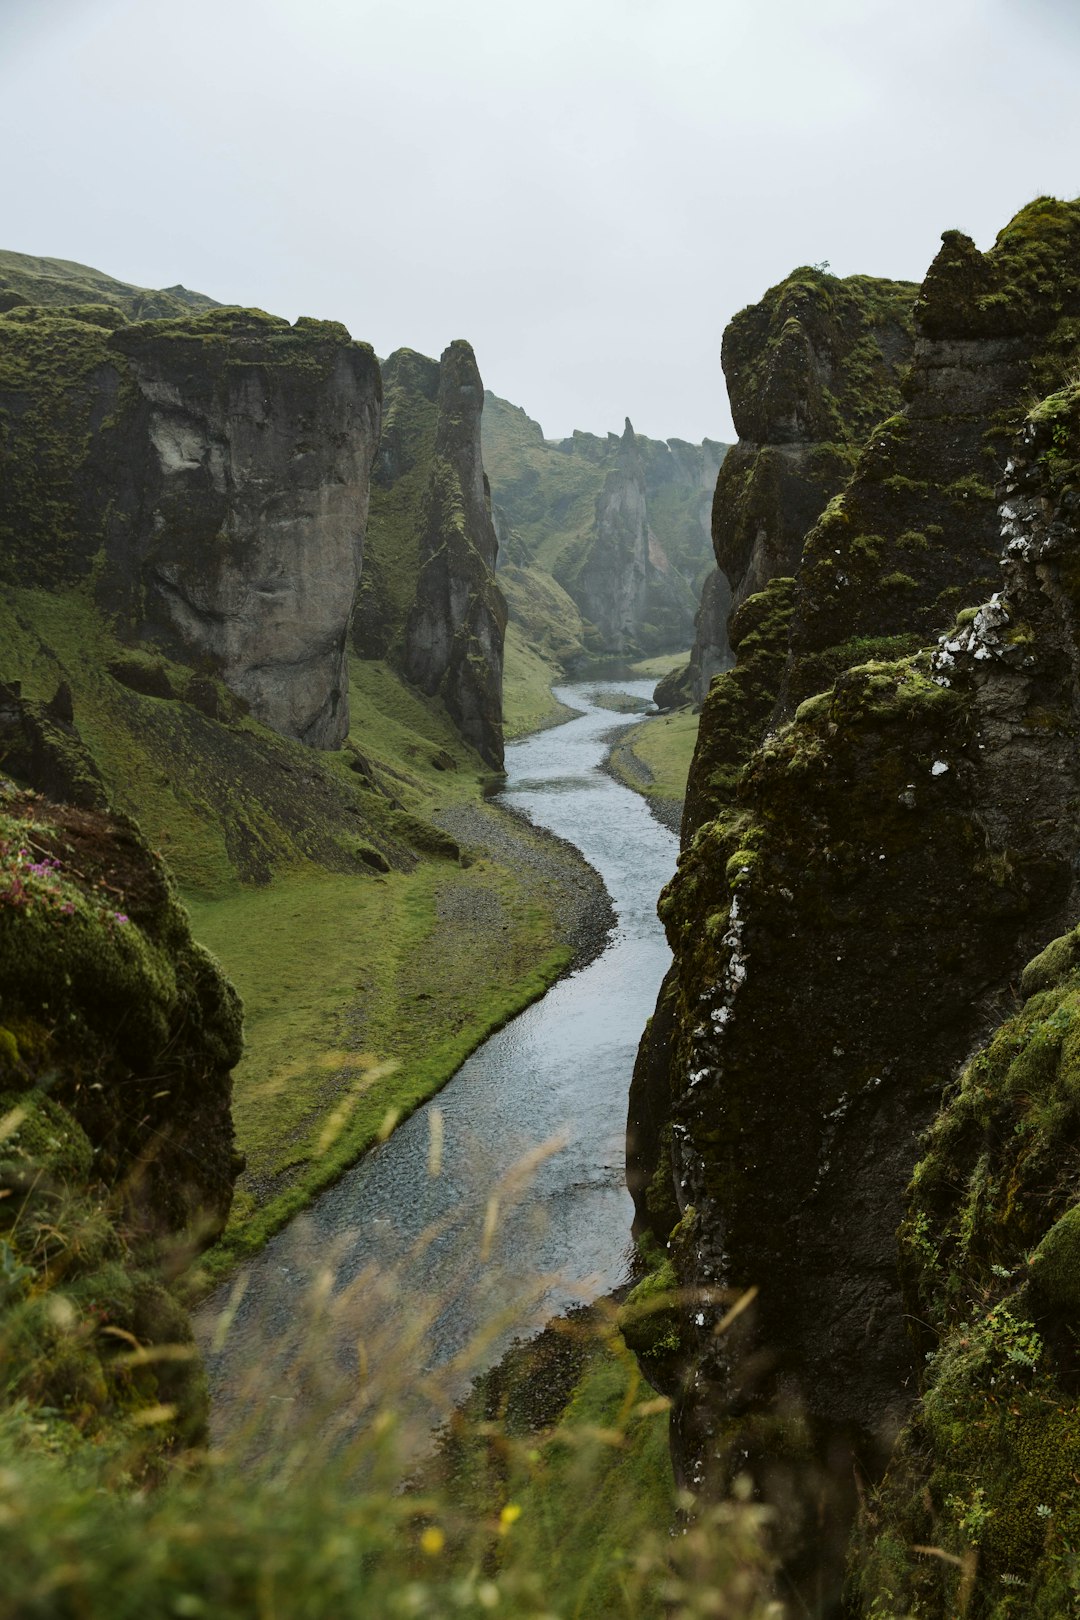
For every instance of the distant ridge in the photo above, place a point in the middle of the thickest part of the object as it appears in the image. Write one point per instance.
(27, 279)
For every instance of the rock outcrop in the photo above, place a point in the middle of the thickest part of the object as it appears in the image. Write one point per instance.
(612, 583)
(454, 634)
(429, 600)
(858, 891)
(210, 473)
(117, 1037)
(986, 1469)
(621, 522)
(810, 370)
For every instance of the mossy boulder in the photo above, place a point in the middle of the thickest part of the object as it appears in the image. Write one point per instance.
(110, 1003)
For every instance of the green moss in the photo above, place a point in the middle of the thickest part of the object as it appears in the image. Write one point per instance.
(740, 702)
(991, 1251)
(650, 1316)
(39, 1135)
(1047, 970)
(62, 282)
(1054, 1268)
(766, 349)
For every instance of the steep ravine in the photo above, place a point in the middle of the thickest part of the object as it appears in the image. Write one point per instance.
(497, 1204)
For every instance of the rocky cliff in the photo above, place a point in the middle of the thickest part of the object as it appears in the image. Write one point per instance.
(986, 1468)
(858, 890)
(208, 475)
(810, 369)
(620, 522)
(429, 599)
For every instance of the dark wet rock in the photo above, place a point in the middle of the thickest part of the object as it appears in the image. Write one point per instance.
(453, 643)
(867, 866)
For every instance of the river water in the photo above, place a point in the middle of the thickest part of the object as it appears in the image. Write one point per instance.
(496, 1205)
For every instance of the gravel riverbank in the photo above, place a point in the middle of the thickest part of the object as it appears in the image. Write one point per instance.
(551, 868)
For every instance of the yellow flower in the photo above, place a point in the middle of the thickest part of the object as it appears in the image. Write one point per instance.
(432, 1541)
(509, 1515)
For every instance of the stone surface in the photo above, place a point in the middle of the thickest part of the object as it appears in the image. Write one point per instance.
(211, 473)
(860, 885)
(453, 642)
(252, 514)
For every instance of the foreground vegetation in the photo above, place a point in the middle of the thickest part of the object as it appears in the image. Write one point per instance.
(518, 1515)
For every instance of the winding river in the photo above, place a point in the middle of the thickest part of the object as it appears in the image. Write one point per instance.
(500, 1202)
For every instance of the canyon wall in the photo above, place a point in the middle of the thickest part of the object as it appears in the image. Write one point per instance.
(429, 599)
(875, 845)
(620, 522)
(207, 476)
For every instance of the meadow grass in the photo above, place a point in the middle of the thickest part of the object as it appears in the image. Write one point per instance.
(364, 989)
(654, 757)
(528, 701)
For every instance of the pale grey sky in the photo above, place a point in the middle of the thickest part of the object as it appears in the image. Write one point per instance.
(585, 189)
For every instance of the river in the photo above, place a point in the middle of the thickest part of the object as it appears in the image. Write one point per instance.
(498, 1203)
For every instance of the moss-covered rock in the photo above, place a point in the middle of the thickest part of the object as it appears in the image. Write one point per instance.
(915, 535)
(987, 1469)
(811, 370)
(739, 703)
(843, 931)
(429, 599)
(117, 1039)
(110, 1005)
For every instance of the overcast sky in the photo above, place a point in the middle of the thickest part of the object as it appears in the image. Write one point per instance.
(587, 190)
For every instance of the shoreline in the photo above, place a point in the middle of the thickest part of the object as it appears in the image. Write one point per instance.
(550, 876)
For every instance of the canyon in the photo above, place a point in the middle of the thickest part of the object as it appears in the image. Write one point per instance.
(263, 599)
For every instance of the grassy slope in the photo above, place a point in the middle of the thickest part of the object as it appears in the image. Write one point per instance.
(552, 497)
(528, 703)
(63, 281)
(565, 1524)
(362, 987)
(663, 746)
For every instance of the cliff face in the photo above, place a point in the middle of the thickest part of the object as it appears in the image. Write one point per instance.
(212, 475)
(612, 582)
(454, 634)
(621, 522)
(857, 892)
(989, 1243)
(429, 600)
(914, 535)
(809, 371)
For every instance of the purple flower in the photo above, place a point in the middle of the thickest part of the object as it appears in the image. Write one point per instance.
(118, 916)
